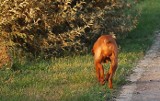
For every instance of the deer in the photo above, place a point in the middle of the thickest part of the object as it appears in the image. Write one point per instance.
(105, 50)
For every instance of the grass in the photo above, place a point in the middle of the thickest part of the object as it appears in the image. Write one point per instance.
(73, 78)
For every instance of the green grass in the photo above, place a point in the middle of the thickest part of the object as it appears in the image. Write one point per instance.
(73, 78)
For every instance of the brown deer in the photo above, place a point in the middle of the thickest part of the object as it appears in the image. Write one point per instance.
(105, 49)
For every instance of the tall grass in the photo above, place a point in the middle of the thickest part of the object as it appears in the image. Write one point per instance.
(73, 78)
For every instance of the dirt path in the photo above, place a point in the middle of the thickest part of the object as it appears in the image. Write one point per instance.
(145, 81)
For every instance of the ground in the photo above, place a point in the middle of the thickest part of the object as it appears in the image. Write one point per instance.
(145, 81)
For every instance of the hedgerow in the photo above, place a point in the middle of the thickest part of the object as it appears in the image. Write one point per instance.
(57, 27)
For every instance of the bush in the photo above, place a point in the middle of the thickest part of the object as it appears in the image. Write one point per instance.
(5, 57)
(57, 27)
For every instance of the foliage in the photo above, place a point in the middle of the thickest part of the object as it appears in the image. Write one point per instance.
(57, 27)
(5, 57)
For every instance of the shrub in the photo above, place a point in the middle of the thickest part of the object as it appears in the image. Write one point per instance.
(5, 57)
(58, 27)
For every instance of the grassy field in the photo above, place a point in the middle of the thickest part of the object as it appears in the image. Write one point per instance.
(73, 78)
